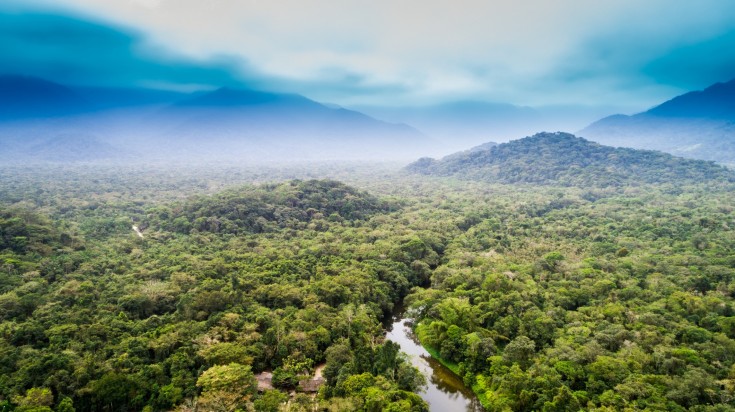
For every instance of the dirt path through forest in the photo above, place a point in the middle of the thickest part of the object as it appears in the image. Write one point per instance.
(137, 231)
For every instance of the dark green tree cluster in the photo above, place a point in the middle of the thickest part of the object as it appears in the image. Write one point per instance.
(566, 160)
(270, 208)
(623, 303)
(124, 323)
(539, 297)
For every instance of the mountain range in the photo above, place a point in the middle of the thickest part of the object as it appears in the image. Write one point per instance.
(698, 124)
(45, 121)
(464, 123)
(29, 97)
(226, 124)
(568, 160)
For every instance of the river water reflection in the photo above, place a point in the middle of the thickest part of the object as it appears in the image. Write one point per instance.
(445, 391)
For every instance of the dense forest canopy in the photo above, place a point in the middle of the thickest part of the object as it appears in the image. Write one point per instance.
(269, 208)
(566, 160)
(541, 297)
(121, 322)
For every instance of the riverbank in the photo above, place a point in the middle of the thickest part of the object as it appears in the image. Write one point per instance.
(479, 390)
(444, 390)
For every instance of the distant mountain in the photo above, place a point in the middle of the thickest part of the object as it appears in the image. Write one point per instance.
(26, 97)
(62, 148)
(259, 124)
(30, 97)
(124, 97)
(227, 124)
(698, 125)
(229, 97)
(714, 102)
(74, 148)
(461, 124)
(564, 159)
(242, 103)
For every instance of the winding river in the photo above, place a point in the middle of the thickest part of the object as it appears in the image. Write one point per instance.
(445, 391)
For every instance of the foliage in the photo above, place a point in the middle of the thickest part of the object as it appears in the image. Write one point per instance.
(541, 311)
(226, 387)
(540, 297)
(116, 322)
(269, 208)
(563, 159)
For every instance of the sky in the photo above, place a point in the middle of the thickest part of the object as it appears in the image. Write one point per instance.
(625, 53)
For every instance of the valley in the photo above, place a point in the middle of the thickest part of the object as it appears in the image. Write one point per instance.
(538, 295)
(324, 206)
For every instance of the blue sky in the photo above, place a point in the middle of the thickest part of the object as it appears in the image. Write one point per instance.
(622, 53)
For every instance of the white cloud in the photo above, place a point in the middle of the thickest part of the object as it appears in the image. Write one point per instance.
(503, 50)
(151, 4)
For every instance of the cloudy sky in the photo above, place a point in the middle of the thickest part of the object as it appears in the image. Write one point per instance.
(624, 53)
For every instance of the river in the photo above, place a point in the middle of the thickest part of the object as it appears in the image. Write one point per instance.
(445, 391)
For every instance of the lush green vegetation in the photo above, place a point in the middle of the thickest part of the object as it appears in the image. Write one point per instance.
(540, 297)
(621, 302)
(281, 278)
(566, 160)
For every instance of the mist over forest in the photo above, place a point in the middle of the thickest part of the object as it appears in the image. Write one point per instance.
(259, 206)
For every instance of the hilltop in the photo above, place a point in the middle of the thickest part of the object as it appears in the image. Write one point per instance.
(564, 159)
(269, 208)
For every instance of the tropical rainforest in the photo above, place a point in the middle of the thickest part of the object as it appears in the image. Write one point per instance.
(557, 290)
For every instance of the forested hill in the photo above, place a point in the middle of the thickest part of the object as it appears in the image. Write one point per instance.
(114, 322)
(564, 159)
(540, 297)
(256, 209)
